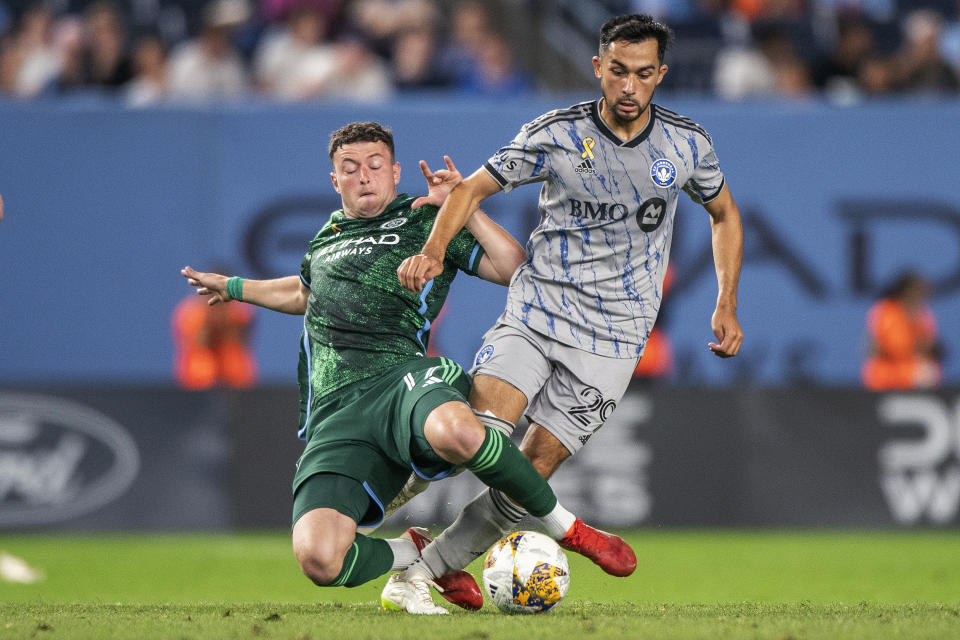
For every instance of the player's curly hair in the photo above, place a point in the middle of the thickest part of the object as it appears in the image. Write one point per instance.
(635, 27)
(361, 132)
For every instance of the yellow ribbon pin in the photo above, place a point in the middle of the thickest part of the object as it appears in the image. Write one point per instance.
(588, 144)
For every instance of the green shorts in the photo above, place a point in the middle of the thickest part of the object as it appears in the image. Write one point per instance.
(372, 431)
(333, 491)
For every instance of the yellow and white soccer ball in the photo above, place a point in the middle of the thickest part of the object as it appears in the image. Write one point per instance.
(526, 572)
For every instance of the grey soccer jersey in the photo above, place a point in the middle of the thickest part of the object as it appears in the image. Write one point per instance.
(595, 267)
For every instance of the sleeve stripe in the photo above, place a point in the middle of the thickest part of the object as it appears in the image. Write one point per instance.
(713, 196)
(495, 174)
(475, 257)
(304, 281)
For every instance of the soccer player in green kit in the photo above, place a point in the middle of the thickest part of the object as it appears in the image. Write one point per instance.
(373, 407)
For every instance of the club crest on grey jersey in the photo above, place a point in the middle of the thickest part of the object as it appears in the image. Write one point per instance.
(663, 173)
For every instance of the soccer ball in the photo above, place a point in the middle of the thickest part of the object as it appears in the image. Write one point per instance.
(526, 572)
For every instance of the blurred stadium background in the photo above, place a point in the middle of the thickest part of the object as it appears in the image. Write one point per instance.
(126, 152)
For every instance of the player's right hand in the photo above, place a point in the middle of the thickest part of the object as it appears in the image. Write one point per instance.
(208, 284)
(416, 271)
(727, 329)
(439, 183)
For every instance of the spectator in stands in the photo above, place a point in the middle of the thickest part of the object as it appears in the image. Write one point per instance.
(70, 43)
(30, 61)
(381, 22)
(210, 67)
(9, 64)
(469, 29)
(838, 72)
(92, 51)
(770, 68)
(150, 83)
(904, 352)
(877, 76)
(108, 64)
(920, 67)
(672, 11)
(212, 344)
(415, 61)
(873, 10)
(294, 62)
(278, 11)
(361, 76)
(950, 41)
(494, 74)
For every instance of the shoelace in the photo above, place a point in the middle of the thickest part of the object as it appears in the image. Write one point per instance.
(422, 588)
(419, 577)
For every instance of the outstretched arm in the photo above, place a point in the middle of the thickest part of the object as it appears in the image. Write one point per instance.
(727, 257)
(287, 295)
(463, 200)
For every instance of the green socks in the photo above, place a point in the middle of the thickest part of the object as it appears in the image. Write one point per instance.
(368, 558)
(499, 464)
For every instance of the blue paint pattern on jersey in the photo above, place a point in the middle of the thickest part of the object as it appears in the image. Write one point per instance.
(593, 278)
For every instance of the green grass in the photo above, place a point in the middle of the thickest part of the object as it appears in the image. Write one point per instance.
(689, 584)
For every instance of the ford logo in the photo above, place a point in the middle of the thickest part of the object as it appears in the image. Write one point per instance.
(59, 459)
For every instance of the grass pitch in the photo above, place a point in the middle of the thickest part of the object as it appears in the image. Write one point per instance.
(770, 585)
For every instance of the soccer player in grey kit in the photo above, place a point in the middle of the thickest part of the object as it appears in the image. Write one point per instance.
(580, 309)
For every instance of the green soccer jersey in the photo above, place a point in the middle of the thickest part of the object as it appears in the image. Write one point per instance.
(360, 321)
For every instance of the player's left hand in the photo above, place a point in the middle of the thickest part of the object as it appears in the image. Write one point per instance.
(726, 328)
(439, 183)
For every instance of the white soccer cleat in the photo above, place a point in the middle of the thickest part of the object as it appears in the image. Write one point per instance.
(410, 593)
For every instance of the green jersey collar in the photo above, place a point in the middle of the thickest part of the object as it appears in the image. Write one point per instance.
(402, 201)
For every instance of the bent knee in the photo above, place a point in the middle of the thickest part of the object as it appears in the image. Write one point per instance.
(456, 435)
(322, 567)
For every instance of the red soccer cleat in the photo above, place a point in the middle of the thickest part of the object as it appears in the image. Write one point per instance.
(606, 550)
(459, 587)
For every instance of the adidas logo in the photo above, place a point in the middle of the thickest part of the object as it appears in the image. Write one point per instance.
(585, 167)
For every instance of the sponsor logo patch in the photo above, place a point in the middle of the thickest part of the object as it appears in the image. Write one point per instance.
(651, 214)
(585, 167)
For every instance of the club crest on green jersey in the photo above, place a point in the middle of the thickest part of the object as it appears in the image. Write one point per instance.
(393, 224)
(663, 173)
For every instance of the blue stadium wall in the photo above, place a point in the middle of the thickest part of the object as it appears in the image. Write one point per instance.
(104, 205)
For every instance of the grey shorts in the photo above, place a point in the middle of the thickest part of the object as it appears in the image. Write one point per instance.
(569, 392)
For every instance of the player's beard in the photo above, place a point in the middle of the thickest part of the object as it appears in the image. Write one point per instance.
(620, 118)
